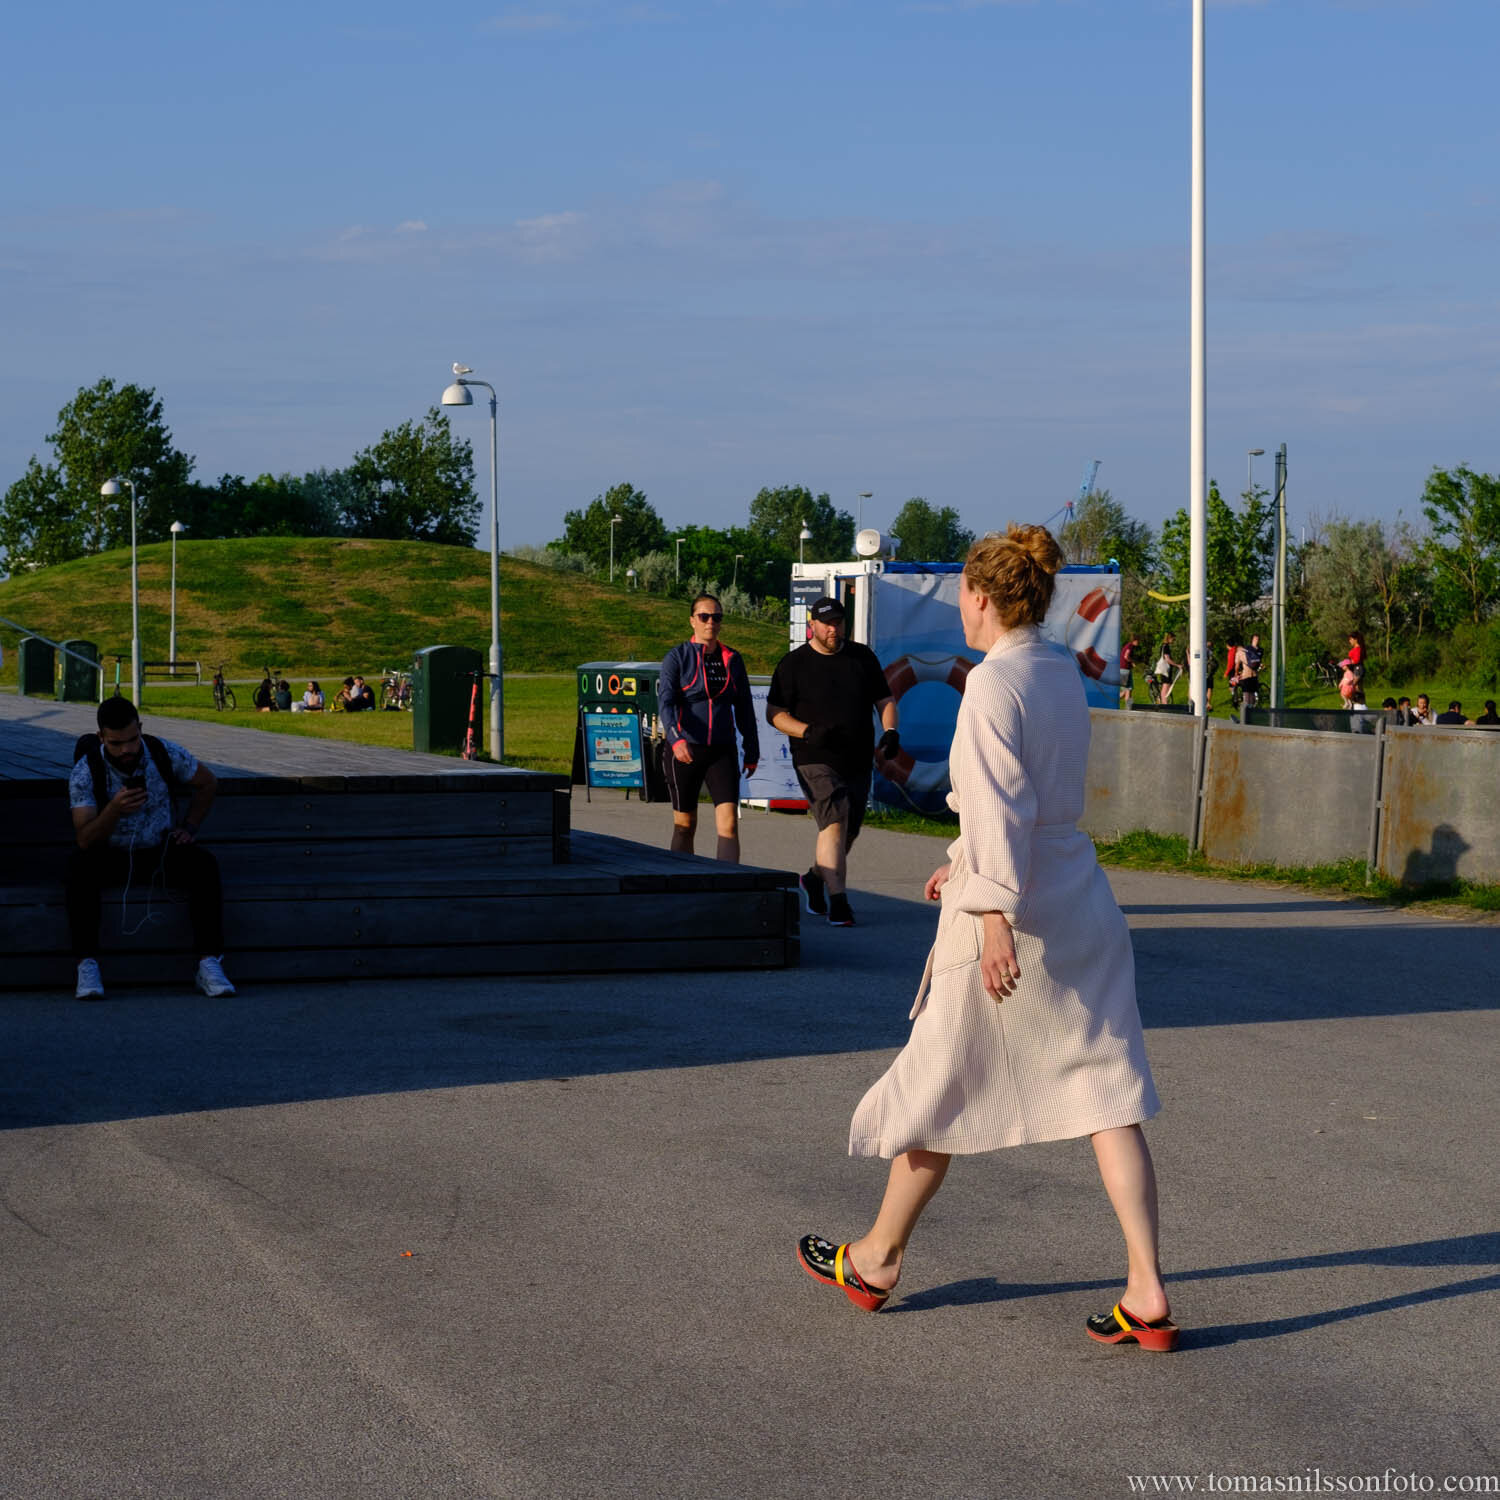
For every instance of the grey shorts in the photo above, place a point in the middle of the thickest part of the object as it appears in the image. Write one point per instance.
(833, 798)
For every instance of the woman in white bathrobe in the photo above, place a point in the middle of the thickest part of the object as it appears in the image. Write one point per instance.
(1025, 1025)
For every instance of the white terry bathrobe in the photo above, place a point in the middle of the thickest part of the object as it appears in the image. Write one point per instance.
(1063, 1056)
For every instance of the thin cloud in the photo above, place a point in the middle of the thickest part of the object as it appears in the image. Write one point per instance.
(530, 23)
(411, 226)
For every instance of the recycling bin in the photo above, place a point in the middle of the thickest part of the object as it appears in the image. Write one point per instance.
(77, 682)
(36, 666)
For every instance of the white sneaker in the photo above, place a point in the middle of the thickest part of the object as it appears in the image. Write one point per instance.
(90, 983)
(212, 979)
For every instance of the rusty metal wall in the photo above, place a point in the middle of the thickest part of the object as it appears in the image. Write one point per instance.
(1287, 796)
(1141, 773)
(1441, 813)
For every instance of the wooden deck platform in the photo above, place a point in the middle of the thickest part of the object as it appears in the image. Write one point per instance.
(340, 859)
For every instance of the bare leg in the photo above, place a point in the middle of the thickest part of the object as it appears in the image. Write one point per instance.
(726, 822)
(830, 857)
(915, 1177)
(684, 829)
(1130, 1180)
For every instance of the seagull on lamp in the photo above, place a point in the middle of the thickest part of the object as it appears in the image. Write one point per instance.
(459, 369)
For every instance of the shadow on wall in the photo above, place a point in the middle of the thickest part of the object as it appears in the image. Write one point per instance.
(1439, 864)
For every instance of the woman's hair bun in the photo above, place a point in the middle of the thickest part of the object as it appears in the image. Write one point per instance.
(1038, 544)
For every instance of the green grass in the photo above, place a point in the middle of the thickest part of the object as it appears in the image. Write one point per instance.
(326, 607)
(540, 713)
(1348, 877)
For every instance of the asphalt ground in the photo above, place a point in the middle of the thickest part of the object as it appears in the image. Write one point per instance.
(535, 1237)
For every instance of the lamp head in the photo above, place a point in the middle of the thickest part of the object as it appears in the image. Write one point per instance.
(806, 535)
(110, 487)
(177, 527)
(458, 394)
(1255, 452)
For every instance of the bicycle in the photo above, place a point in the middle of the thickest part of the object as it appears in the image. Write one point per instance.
(395, 689)
(1323, 671)
(223, 693)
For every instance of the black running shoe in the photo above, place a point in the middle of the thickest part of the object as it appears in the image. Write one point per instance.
(839, 914)
(813, 893)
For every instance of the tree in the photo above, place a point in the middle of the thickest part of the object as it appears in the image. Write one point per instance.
(1238, 544)
(416, 484)
(929, 535)
(55, 511)
(1341, 580)
(778, 516)
(640, 529)
(1463, 509)
(282, 505)
(1099, 531)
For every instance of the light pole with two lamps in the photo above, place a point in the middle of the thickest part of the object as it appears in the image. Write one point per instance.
(111, 487)
(177, 529)
(458, 394)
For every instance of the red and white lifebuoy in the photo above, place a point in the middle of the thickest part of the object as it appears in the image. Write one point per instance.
(1083, 630)
(920, 779)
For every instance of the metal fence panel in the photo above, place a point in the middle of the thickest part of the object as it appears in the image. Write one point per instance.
(1441, 818)
(1141, 773)
(1287, 796)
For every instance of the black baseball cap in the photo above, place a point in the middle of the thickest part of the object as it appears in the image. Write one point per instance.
(827, 610)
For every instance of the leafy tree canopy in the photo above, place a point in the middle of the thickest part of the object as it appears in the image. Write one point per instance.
(638, 531)
(778, 516)
(1463, 510)
(416, 484)
(55, 511)
(1099, 531)
(930, 535)
(1238, 544)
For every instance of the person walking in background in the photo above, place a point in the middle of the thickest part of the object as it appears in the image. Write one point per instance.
(1351, 684)
(1247, 675)
(823, 698)
(704, 696)
(1127, 670)
(1168, 669)
(1025, 1026)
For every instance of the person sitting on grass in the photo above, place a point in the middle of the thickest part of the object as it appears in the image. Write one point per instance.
(265, 696)
(283, 696)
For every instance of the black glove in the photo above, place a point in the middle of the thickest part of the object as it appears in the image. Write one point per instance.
(889, 746)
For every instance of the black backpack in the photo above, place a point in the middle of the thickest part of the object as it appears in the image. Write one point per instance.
(89, 745)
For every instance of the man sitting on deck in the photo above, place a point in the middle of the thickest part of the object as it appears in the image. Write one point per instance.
(121, 795)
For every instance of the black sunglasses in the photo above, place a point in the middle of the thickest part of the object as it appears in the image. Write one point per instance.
(705, 617)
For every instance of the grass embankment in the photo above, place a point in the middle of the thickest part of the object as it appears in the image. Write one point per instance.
(328, 606)
(1169, 854)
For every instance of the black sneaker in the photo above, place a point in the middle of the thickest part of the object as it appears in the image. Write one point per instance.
(839, 914)
(813, 893)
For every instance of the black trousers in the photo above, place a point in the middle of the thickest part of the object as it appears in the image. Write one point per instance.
(180, 867)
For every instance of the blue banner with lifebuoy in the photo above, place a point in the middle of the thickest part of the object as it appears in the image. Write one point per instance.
(919, 638)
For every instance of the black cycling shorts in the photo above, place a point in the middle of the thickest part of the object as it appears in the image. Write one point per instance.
(716, 766)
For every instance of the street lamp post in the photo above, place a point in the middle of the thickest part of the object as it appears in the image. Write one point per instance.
(1251, 454)
(678, 555)
(613, 522)
(739, 557)
(859, 524)
(112, 487)
(177, 529)
(458, 394)
(802, 541)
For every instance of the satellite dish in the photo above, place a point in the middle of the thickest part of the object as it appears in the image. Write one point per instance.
(871, 543)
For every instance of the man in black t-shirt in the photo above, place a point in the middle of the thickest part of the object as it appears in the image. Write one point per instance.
(822, 697)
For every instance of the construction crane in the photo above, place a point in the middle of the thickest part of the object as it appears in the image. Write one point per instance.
(1084, 491)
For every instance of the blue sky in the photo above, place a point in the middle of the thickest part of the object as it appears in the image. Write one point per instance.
(931, 249)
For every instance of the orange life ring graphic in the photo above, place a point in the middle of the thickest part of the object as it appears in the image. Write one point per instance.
(1083, 626)
(921, 778)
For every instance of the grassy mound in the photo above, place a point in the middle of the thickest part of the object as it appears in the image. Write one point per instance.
(328, 606)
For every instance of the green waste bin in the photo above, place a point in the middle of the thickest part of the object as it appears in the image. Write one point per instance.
(36, 666)
(442, 684)
(76, 681)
